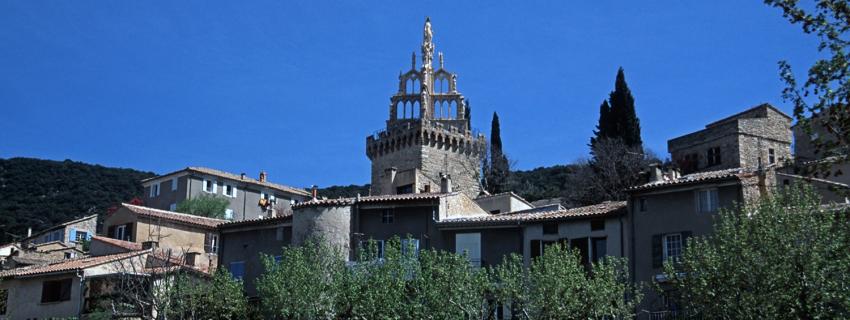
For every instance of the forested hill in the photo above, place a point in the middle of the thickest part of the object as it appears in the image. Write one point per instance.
(41, 193)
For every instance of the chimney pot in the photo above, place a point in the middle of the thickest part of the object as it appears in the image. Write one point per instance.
(315, 192)
(263, 176)
(242, 176)
(445, 183)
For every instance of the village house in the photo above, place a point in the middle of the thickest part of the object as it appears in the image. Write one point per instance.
(245, 243)
(62, 241)
(248, 198)
(194, 239)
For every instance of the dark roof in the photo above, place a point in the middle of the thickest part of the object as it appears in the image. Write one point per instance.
(763, 105)
(692, 178)
(236, 177)
(605, 209)
(257, 222)
(172, 216)
(371, 199)
(70, 265)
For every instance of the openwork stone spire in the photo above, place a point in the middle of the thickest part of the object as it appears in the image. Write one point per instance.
(427, 45)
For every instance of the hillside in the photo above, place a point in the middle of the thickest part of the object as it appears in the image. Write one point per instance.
(40, 193)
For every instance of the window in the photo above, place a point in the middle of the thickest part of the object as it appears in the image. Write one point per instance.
(404, 189)
(154, 190)
(550, 228)
(211, 243)
(228, 214)
(672, 246)
(642, 204)
(581, 244)
(229, 191)
(497, 211)
(210, 186)
(237, 269)
(689, 163)
(410, 244)
(70, 255)
(56, 290)
(707, 200)
(189, 258)
(599, 248)
(713, 156)
(81, 236)
(387, 216)
(771, 156)
(379, 247)
(172, 207)
(597, 224)
(120, 232)
(174, 184)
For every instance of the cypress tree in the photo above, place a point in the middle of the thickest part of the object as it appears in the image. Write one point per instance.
(625, 123)
(498, 169)
(603, 128)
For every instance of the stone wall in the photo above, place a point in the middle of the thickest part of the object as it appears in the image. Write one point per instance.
(332, 224)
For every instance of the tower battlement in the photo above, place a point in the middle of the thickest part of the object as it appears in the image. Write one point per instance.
(427, 134)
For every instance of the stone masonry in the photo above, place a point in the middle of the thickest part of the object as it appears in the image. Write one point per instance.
(744, 140)
(427, 134)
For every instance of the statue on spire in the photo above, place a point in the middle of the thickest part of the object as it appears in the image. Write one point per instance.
(427, 45)
(440, 54)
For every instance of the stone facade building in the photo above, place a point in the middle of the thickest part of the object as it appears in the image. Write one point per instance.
(427, 135)
(757, 137)
(248, 198)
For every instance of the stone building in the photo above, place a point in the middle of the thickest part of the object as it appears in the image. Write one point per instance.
(757, 137)
(427, 135)
(248, 198)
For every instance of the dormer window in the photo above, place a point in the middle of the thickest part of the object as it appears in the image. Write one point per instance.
(713, 156)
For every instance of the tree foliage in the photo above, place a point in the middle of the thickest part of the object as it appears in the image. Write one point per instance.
(496, 165)
(204, 205)
(42, 193)
(313, 281)
(825, 94)
(784, 258)
(617, 117)
(220, 297)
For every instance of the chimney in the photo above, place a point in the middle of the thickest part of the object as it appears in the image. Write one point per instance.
(315, 192)
(242, 176)
(29, 232)
(445, 183)
(263, 176)
(655, 173)
(675, 173)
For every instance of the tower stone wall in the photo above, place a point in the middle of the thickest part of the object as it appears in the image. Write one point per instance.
(427, 134)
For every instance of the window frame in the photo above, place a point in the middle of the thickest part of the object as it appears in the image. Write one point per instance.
(242, 269)
(771, 156)
(212, 182)
(713, 157)
(174, 184)
(154, 190)
(665, 251)
(228, 214)
(387, 216)
(122, 230)
(172, 207)
(232, 190)
(713, 200)
(61, 285)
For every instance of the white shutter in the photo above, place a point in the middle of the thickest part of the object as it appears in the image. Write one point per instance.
(234, 191)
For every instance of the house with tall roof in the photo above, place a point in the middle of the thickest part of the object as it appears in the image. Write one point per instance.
(194, 239)
(248, 198)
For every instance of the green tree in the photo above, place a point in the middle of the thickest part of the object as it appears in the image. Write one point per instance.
(204, 205)
(785, 257)
(617, 117)
(558, 286)
(823, 100)
(219, 297)
(497, 169)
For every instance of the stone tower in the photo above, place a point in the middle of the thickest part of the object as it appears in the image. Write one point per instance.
(428, 135)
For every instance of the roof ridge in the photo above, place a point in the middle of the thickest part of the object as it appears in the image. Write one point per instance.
(176, 213)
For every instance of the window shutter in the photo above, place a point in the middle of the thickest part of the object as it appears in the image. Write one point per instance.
(657, 252)
(72, 235)
(88, 236)
(535, 248)
(207, 241)
(234, 191)
(128, 232)
(685, 237)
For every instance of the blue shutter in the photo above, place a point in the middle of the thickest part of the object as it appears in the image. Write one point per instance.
(237, 269)
(72, 236)
(88, 236)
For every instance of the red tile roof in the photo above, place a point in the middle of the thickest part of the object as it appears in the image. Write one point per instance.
(70, 265)
(256, 222)
(172, 216)
(118, 243)
(605, 209)
(372, 199)
(236, 177)
(694, 178)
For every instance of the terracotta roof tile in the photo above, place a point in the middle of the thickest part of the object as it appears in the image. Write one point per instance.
(237, 177)
(118, 243)
(70, 265)
(693, 178)
(604, 209)
(175, 216)
(370, 199)
(258, 221)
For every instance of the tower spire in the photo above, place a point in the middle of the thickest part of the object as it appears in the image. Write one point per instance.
(427, 45)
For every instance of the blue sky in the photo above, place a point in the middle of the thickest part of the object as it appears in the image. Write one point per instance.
(294, 87)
